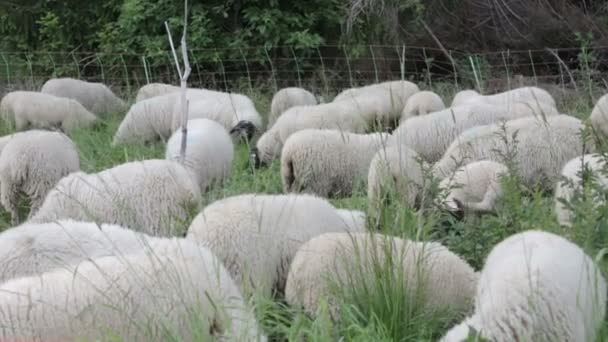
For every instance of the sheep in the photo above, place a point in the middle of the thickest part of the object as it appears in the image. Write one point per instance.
(532, 96)
(422, 103)
(430, 135)
(287, 98)
(354, 219)
(397, 168)
(31, 163)
(173, 289)
(154, 89)
(474, 187)
(328, 162)
(334, 115)
(95, 97)
(31, 249)
(599, 115)
(151, 196)
(536, 286)
(257, 235)
(39, 110)
(380, 103)
(434, 277)
(235, 112)
(209, 151)
(572, 183)
(538, 147)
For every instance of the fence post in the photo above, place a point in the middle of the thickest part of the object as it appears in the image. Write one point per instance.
(375, 65)
(273, 75)
(223, 68)
(247, 70)
(533, 68)
(295, 59)
(8, 69)
(30, 68)
(103, 72)
(428, 67)
(474, 68)
(54, 65)
(126, 71)
(401, 57)
(350, 73)
(323, 75)
(143, 60)
(454, 69)
(504, 62)
(76, 64)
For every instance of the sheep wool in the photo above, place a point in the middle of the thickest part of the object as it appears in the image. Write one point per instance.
(531, 96)
(354, 219)
(430, 135)
(256, 236)
(536, 286)
(572, 183)
(463, 97)
(151, 196)
(328, 162)
(153, 90)
(31, 163)
(422, 103)
(399, 169)
(209, 151)
(287, 98)
(31, 249)
(475, 187)
(95, 97)
(539, 147)
(434, 277)
(599, 115)
(39, 110)
(173, 289)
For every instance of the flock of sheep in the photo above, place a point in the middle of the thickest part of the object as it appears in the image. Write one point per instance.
(102, 254)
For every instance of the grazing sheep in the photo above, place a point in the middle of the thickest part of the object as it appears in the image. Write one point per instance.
(171, 290)
(341, 116)
(399, 169)
(422, 103)
(32, 249)
(573, 183)
(209, 151)
(599, 115)
(38, 110)
(151, 196)
(287, 98)
(154, 89)
(536, 286)
(380, 103)
(430, 135)
(531, 96)
(539, 147)
(328, 162)
(95, 97)
(31, 163)
(435, 278)
(474, 188)
(256, 236)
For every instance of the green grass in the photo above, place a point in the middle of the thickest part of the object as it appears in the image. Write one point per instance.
(382, 312)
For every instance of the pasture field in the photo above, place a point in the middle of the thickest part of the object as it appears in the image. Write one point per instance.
(374, 310)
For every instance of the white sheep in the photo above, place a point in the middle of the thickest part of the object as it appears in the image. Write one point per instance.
(173, 289)
(356, 220)
(256, 235)
(422, 103)
(380, 103)
(474, 187)
(95, 97)
(328, 162)
(152, 196)
(398, 169)
(572, 183)
(38, 110)
(430, 135)
(599, 115)
(209, 151)
(433, 277)
(343, 116)
(287, 98)
(31, 163)
(31, 249)
(539, 147)
(155, 89)
(536, 286)
(532, 96)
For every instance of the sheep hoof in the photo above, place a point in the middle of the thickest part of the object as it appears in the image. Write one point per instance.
(244, 128)
(254, 158)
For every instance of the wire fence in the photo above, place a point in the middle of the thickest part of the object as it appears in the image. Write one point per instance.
(326, 69)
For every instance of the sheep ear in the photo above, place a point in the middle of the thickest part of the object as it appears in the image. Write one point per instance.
(246, 128)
